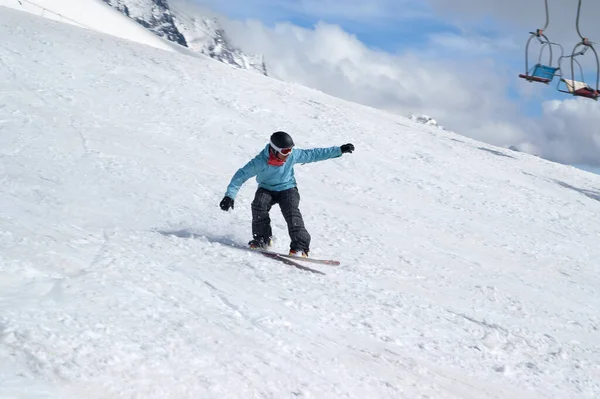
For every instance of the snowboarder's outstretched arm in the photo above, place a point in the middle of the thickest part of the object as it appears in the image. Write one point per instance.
(239, 178)
(321, 154)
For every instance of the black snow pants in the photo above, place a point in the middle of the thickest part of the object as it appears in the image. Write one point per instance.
(288, 201)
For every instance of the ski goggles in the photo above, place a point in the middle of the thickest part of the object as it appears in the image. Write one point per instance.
(284, 151)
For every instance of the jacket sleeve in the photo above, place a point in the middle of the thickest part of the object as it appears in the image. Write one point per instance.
(241, 176)
(316, 154)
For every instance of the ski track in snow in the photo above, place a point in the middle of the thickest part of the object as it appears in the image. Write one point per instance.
(465, 273)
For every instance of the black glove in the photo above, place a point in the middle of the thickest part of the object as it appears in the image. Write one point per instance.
(226, 203)
(347, 148)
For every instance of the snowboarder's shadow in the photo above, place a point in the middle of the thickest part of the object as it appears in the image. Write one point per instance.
(206, 237)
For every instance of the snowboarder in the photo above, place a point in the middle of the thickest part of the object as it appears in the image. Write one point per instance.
(274, 171)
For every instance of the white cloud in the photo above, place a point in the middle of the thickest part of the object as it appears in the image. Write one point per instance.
(570, 131)
(459, 94)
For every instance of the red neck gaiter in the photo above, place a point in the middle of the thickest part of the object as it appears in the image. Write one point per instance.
(273, 160)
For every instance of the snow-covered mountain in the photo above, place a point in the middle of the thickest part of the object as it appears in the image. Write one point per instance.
(152, 14)
(205, 35)
(467, 271)
(185, 24)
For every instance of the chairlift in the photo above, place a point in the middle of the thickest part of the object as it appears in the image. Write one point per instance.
(542, 73)
(580, 88)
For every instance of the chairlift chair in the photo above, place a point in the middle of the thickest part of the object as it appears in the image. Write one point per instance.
(580, 88)
(542, 73)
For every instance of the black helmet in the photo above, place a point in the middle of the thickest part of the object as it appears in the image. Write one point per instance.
(281, 140)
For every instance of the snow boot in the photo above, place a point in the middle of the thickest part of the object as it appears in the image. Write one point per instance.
(299, 252)
(260, 244)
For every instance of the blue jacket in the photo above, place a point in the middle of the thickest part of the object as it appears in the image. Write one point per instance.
(277, 178)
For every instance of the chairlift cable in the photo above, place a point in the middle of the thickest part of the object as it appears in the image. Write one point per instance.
(547, 16)
(577, 21)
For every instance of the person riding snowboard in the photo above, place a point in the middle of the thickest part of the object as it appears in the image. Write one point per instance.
(274, 171)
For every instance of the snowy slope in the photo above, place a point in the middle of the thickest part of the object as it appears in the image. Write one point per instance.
(91, 14)
(467, 271)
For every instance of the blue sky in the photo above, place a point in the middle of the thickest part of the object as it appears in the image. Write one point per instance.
(457, 62)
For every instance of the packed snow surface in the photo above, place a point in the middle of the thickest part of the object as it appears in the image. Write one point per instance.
(467, 271)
